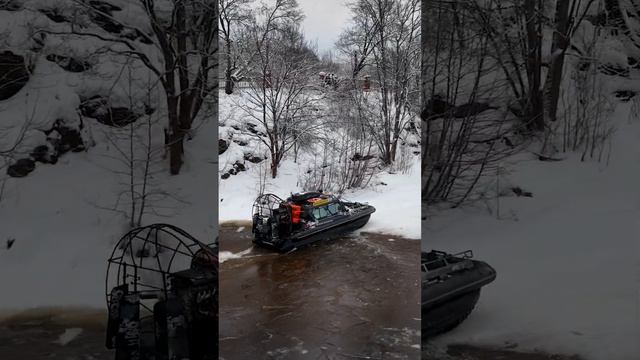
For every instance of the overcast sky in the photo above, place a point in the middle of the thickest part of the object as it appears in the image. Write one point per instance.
(324, 21)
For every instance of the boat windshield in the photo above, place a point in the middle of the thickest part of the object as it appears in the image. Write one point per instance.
(324, 211)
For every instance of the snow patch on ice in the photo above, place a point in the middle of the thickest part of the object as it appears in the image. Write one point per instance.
(228, 255)
(68, 335)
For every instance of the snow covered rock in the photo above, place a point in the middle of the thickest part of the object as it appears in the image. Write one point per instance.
(10, 5)
(69, 63)
(625, 95)
(103, 16)
(55, 15)
(253, 158)
(223, 145)
(471, 109)
(44, 154)
(435, 107)
(21, 168)
(14, 74)
(99, 108)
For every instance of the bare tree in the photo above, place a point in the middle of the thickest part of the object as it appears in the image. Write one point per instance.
(344, 155)
(233, 13)
(138, 154)
(280, 92)
(185, 34)
(460, 147)
(391, 30)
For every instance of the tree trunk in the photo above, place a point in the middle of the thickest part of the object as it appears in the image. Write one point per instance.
(175, 140)
(558, 51)
(274, 166)
(228, 83)
(534, 114)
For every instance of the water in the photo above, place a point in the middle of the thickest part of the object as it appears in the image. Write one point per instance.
(355, 297)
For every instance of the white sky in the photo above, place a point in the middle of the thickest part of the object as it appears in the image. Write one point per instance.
(324, 21)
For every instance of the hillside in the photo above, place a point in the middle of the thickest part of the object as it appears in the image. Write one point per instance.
(74, 125)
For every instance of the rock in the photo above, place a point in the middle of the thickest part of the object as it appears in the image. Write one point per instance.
(251, 127)
(106, 23)
(70, 140)
(136, 35)
(119, 116)
(223, 145)
(253, 159)
(14, 74)
(103, 16)
(241, 142)
(625, 95)
(92, 106)
(104, 6)
(633, 63)
(519, 192)
(435, 107)
(55, 15)
(232, 171)
(10, 243)
(21, 168)
(66, 138)
(358, 157)
(10, 5)
(470, 109)
(225, 176)
(239, 167)
(69, 64)
(97, 107)
(44, 155)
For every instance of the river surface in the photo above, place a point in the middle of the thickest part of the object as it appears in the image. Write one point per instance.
(355, 297)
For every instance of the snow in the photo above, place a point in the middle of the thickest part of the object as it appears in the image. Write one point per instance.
(68, 335)
(397, 203)
(58, 214)
(567, 259)
(394, 194)
(228, 255)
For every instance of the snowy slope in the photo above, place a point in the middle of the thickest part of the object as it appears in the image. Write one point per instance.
(568, 259)
(57, 214)
(62, 237)
(395, 195)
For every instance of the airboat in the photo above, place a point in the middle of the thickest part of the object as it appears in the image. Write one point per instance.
(304, 218)
(162, 296)
(451, 285)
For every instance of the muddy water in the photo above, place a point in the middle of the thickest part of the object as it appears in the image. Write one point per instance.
(469, 352)
(37, 336)
(349, 298)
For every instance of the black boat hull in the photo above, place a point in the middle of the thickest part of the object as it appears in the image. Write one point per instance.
(322, 233)
(447, 303)
(447, 316)
(458, 284)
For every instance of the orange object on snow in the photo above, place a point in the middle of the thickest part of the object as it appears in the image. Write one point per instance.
(296, 211)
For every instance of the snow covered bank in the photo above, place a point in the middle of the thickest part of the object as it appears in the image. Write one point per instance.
(64, 236)
(59, 223)
(568, 259)
(397, 202)
(245, 169)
